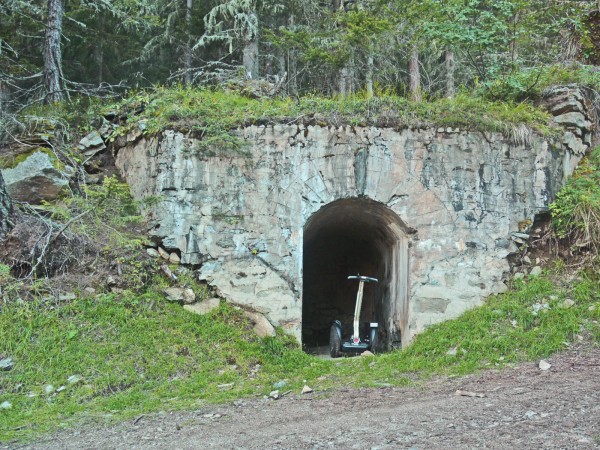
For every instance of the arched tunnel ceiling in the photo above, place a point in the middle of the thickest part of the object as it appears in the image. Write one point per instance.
(358, 218)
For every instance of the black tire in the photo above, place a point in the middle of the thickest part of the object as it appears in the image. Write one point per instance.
(335, 342)
(373, 339)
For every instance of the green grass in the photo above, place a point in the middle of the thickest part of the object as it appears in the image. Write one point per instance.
(139, 354)
(212, 113)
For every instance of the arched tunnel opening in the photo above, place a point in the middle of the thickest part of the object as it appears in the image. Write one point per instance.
(350, 237)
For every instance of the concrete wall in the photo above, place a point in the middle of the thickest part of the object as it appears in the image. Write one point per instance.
(242, 218)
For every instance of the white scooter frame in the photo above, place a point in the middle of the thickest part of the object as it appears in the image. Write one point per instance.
(355, 344)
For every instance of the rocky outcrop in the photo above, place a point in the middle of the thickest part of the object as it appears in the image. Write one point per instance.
(460, 197)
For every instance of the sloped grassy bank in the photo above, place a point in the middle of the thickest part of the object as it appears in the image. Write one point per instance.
(134, 354)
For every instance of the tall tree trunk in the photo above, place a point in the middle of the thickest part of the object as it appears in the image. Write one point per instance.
(450, 69)
(4, 96)
(6, 209)
(187, 51)
(250, 57)
(514, 43)
(292, 67)
(100, 60)
(344, 83)
(414, 75)
(369, 76)
(53, 73)
(293, 73)
(250, 52)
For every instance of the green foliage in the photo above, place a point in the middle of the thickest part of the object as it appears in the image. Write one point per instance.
(530, 84)
(576, 209)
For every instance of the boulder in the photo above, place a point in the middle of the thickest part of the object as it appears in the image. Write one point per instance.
(36, 179)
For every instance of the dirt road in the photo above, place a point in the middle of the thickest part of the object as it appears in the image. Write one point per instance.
(521, 407)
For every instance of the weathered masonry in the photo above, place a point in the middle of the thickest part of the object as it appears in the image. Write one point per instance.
(430, 212)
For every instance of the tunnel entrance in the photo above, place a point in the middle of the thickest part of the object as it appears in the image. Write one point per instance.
(349, 237)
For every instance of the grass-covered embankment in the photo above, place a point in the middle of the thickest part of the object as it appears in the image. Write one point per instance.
(139, 354)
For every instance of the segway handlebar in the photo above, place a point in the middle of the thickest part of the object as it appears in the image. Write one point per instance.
(362, 278)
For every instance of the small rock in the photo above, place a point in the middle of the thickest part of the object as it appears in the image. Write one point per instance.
(544, 365)
(526, 260)
(5, 405)
(529, 414)
(274, 395)
(110, 280)
(176, 294)
(6, 364)
(168, 272)
(153, 252)
(163, 253)
(366, 353)
(203, 307)
(262, 326)
(91, 144)
(49, 389)
(225, 387)
(189, 296)
(537, 307)
(452, 351)
(74, 379)
(592, 308)
(537, 270)
(90, 290)
(567, 303)
(67, 296)
(61, 388)
(174, 258)
(106, 129)
(306, 389)
(279, 384)
(519, 276)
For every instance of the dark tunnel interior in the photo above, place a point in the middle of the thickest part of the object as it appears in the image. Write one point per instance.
(349, 237)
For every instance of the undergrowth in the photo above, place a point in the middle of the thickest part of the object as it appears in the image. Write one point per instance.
(135, 353)
(531, 84)
(576, 209)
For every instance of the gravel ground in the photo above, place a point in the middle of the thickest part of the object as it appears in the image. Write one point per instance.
(520, 407)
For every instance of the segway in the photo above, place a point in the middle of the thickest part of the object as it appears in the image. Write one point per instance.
(355, 344)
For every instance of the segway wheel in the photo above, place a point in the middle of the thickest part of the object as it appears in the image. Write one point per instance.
(335, 342)
(373, 339)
